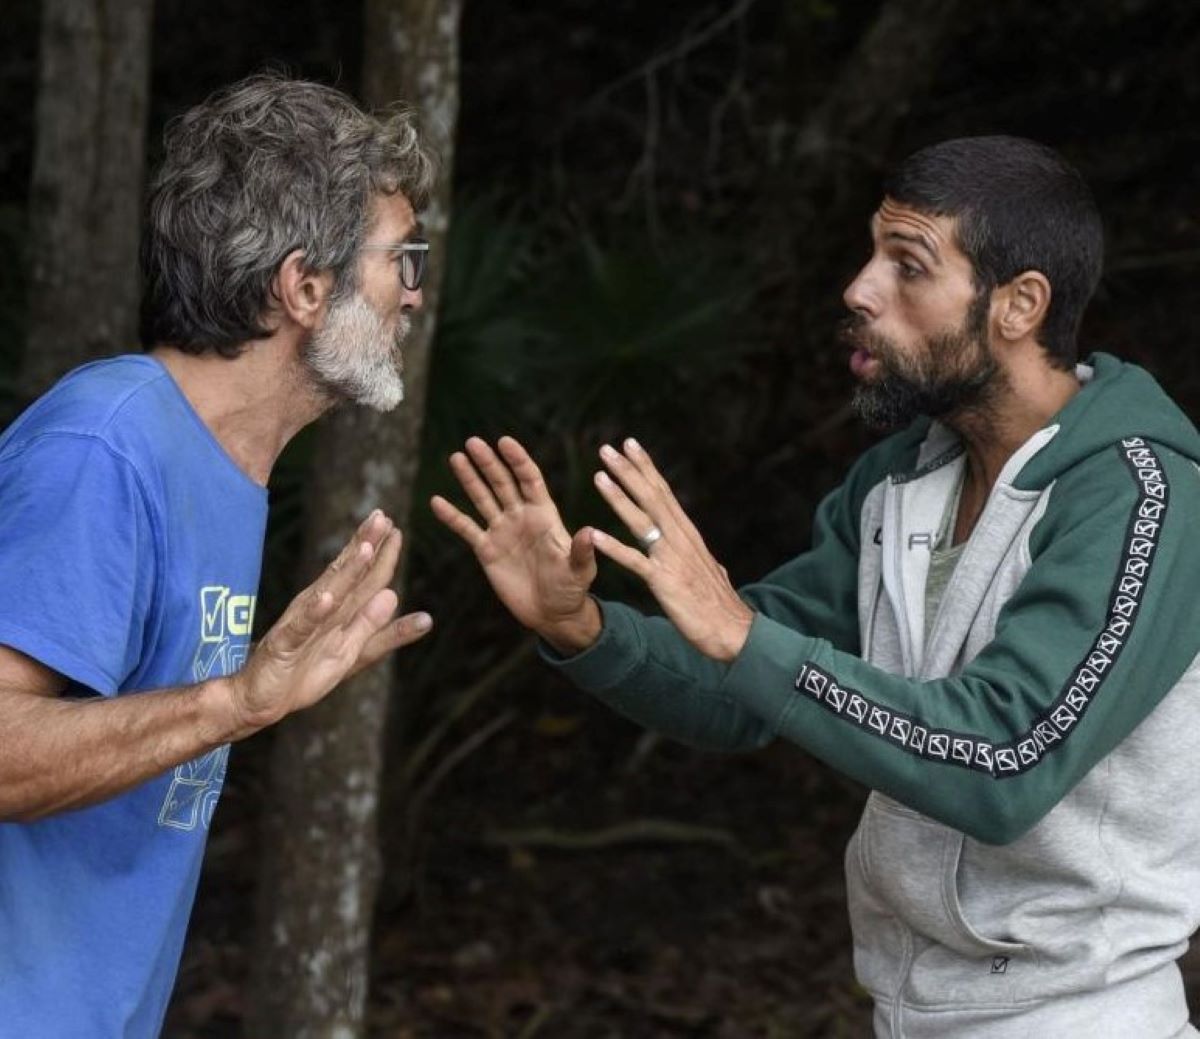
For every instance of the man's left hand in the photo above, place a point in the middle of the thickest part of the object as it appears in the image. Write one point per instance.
(690, 585)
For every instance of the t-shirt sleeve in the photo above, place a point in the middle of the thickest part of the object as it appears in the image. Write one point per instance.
(77, 558)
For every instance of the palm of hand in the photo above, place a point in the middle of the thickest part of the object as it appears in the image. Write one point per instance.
(538, 570)
(525, 553)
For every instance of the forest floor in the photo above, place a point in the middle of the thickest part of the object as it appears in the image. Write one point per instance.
(575, 879)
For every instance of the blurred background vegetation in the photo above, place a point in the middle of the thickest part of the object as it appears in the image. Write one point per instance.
(655, 208)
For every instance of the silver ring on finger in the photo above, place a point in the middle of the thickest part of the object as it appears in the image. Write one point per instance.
(652, 535)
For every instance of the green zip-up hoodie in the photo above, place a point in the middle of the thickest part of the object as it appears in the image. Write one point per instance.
(1029, 859)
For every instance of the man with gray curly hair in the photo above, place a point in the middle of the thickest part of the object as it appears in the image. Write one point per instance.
(281, 260)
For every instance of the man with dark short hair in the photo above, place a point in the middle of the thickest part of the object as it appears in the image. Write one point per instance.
(995, 629)
(281, 262)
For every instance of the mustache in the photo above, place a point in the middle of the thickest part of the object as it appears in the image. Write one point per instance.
(851, 327)
(854, 332)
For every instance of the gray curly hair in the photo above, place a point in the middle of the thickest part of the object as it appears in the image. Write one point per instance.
(259, 169)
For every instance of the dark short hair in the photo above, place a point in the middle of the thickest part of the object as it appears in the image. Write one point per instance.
(259, 169)
(1019, 206)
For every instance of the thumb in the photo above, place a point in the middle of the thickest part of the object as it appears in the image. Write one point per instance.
(583, 554)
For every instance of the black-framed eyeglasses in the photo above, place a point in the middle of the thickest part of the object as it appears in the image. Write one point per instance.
(413, 256)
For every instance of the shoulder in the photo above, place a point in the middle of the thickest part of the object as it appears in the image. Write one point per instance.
(101, 400)
(1134, 485)
(120, 408)
(1132, 466)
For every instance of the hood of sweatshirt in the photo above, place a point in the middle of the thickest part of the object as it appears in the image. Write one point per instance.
(1117, 401)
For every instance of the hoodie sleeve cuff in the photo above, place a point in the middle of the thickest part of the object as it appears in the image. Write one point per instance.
(762, 677)
(613, 657)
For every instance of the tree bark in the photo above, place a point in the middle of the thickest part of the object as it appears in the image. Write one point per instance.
(893, 63)
(321, 868)
(86, 192)
(845, 142)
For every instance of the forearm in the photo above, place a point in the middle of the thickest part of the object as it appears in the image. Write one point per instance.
(988, 751)
(644, 669)
(64, 754)
(879, 729)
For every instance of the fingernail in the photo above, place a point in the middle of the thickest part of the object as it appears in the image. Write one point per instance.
(608, 452)
(632, 445)
(597, 536)
(602, 478)
(422, 622)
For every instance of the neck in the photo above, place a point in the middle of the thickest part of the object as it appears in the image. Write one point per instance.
(1027, 399)
(252, 404)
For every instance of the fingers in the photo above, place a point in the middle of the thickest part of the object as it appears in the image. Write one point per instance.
(313, 607)
(628, 512)
(497, 474)
(621, 554)
(638, 503)
(406, 630)
(495, 482)
(642, 461)
(631, 480)
(373, 529)
(347, 568)
(457, 520)
(379, 574)
(377, 611)
(402, 631)
(368, 561)
(480, 494)
(582, 557)
(648, 489)
(529, 476)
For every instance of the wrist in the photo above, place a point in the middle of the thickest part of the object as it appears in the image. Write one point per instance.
(220, 719)
(575, 634)
(734, 635)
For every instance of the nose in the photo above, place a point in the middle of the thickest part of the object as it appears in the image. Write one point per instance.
(861, 295)
(412, 299)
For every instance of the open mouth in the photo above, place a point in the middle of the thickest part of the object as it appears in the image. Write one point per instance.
(863, 362)
(853, 333)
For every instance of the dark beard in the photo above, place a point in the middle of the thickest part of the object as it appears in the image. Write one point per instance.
(955, 373)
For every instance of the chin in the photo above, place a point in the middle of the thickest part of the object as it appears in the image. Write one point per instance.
(383, 407)
(383, 397)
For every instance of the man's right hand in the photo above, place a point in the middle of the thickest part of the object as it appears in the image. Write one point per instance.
(340, 624)
(539, 571)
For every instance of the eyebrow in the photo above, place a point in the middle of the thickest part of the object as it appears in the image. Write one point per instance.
(909, 239)
(915, 239)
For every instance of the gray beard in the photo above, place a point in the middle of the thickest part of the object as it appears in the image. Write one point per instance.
(355, 355)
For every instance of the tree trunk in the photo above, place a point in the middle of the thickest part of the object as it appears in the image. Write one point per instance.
(86, 194)
(321, 867)
(893, 63)
(843, 144)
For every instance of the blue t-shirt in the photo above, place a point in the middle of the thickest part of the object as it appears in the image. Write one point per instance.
(130, 549)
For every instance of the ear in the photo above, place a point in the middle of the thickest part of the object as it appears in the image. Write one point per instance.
(301, 292)
(1023, 303)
